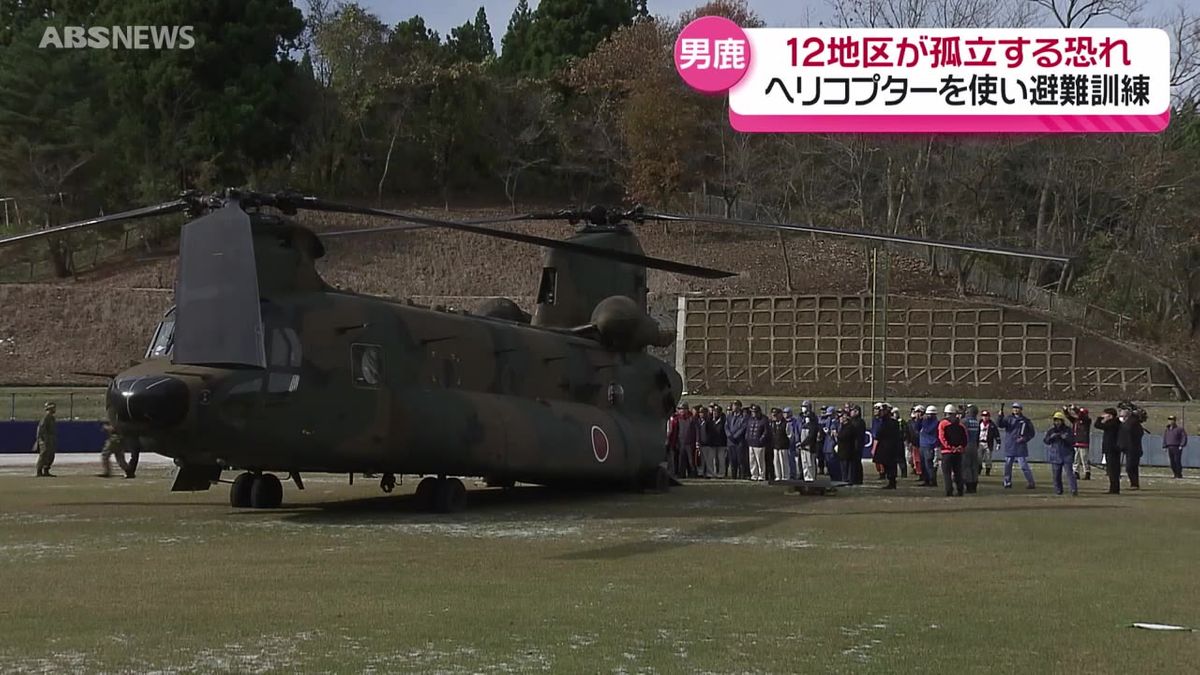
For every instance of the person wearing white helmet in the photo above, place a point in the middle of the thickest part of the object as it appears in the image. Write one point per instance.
(929, 443)
(952, 443)
(808, 446)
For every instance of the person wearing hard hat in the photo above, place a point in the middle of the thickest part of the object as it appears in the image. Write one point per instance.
(808, 445)
(1060, 451)
(1018, 431)
(952, 442)
(989, 436)
(929, 444)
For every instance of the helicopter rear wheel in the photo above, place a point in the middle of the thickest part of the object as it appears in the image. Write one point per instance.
(449, 496)
(426, 489)
(239, 492)
(266, 492)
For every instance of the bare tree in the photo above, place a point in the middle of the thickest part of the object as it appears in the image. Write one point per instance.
(1078, 13)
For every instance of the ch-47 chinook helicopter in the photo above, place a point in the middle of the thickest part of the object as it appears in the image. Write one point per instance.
(263, 367)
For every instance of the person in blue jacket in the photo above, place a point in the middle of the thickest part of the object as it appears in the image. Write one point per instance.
(928, 434)
(735, 437)
(1018, 431)
(832, 424)
(1060, 451)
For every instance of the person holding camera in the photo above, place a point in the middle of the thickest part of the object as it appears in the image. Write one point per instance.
(1129, 441)
(1111, 426)
(1081, 429)
(1018, 431)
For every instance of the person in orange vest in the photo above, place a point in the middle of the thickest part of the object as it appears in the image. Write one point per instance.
(952, 440)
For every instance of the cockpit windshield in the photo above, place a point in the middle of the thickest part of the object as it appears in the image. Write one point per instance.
(163, 337)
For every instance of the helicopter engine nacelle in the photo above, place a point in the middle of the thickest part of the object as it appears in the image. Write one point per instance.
(624, 326)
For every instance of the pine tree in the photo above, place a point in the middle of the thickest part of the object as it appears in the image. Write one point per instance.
(515, 43)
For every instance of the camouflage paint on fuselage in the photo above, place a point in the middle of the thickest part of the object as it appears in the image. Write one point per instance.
(454, 394)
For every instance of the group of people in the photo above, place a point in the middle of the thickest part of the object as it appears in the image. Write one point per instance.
(45, 444)
(707, 442)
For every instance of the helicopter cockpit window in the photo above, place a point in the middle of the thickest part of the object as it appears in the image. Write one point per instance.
(366, 363)
(548, 289)
(163, 337)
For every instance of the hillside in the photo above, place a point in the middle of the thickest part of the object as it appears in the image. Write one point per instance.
(103, 320)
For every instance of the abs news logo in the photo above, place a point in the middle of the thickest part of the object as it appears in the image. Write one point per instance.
(118, 37)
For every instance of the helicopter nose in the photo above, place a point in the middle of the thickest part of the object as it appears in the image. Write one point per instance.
(156, 401)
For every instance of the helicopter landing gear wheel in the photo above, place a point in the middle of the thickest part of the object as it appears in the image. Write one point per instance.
(449, 495)
(425, 492)
(388, 482)
(657, 480)
(266, 492)
(239, 492)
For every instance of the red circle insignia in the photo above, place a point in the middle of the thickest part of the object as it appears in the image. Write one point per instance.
(599, 444)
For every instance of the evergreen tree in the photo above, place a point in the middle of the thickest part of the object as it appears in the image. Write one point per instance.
(515, 43)
(472, 41)
(563, 29)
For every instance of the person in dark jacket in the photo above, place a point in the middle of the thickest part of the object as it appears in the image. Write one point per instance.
(989, 437)
(1111, 426)
(1174, 441)
(721, 438)
(682, 435)
(912, 437)
(781, 444)
(1081, 428)
(832, 422)
(889, 446)
(1060, 451)
(1129, 441)
(735, 440)
(851, 437)
(971, 464)
(707, 440)
(758, 437)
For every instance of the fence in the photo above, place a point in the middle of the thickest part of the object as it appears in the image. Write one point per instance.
(82, 404)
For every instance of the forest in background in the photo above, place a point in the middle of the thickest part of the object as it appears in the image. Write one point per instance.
(580, 103)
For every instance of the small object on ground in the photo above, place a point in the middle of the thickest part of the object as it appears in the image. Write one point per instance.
(1162, 626)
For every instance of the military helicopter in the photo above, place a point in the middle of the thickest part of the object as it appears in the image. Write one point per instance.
(264, 368)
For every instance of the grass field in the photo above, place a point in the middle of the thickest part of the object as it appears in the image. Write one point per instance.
(118, 576)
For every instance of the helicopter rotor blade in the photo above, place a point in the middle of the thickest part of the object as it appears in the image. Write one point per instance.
(863, 234)
(144, 212)
(315, 204)
(217, 315)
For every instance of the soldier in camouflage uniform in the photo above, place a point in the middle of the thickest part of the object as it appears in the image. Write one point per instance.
(47, 442)
(114, 445)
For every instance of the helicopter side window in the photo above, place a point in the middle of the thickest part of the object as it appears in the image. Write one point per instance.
(366, 364)
(164, 337)
(548, 289)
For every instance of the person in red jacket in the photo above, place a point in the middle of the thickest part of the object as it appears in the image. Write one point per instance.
(952, 440)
